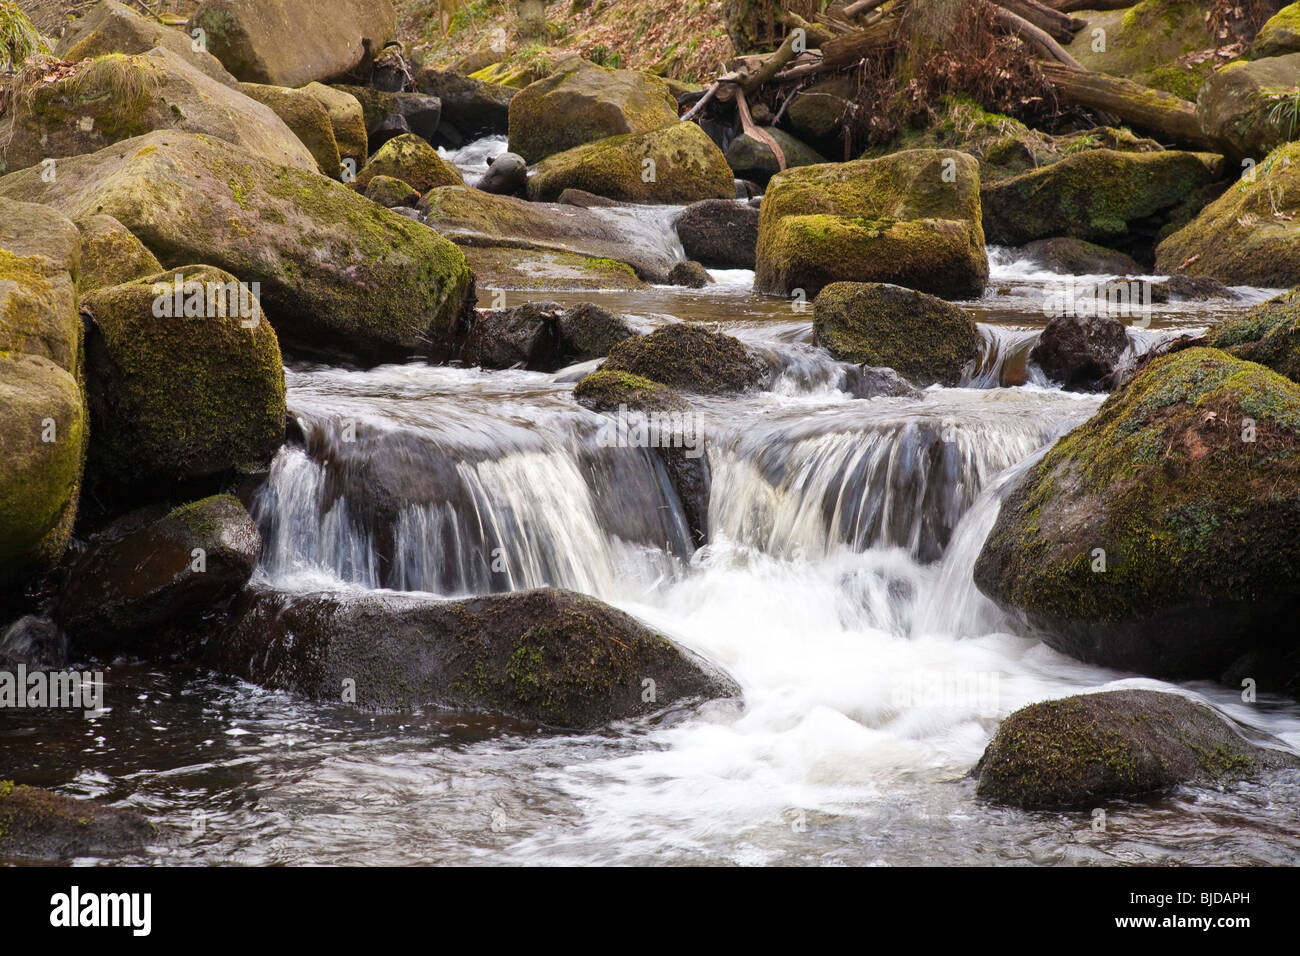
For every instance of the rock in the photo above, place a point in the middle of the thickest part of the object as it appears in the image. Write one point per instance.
(604, 390)
(542, 336)
(816, 110)
(500, 267)
(1081, 351)
(507, 175)
(391, 193)
(1190, 289)
(1164, 489)
(42, 826)
(475, 218)
(690, 274)
(40, 263)
(721, 233)
(1248, 236)
(347, 120)
(588, 331)
(1235, 106)
(293, 42)
(1076, 257)
(35, 643)
(1280, 35)
(751, 159)
(581, 103)
(110, 27)
(690, 358)
(389, 115)
(878, 381)
(676, 164)
(412, 160)
(475, 108)
(546, 655)
(586, 200)
(893, 219)
(1268, 334)
(337, 272)
(921, 337)
(1100, 195)
(1081, 751)
(157, 585)
(87, 111)
(111, 255)
(307, 117)
(182, 396)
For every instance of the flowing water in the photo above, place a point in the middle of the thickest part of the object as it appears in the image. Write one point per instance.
(835, 587)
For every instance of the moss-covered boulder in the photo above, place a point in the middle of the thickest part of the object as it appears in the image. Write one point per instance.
(306, 116)
(550, 656)
(1160, 536)
(338, 273)
(473, 107)
(1079, 752)
(413, 161)
(816, 112)
(293, 42)
(117, 96)
(1248, 236)
(604, 390)
(721, 233)
(1144, 42)
(676, 164)
(471, 217)
(749, 158)
(1249, 107)
(39, 826)
(1280, 35)
(391, 193)
(111, 27)
(581, 103)
(1104, 196)
(111, 255)
(1268, 334)
(691, 358)
(1076, 257)
(690, 274)
(911, 218)
(156, 583)
(184, 393)
(40, 265)
(347, 121)
(502, 267)
(920, 336)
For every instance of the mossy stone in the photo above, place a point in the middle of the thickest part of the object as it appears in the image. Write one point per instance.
(1268, 334)
(111, 255)
(413, 161)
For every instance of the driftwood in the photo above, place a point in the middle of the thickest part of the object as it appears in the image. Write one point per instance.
(754, 132)
(1169, 117)
(1061, 27)
(1036, 38)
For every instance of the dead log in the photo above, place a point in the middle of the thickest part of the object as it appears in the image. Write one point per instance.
(1036, 38)
(1059, 26)
(1072, 6)
(846, 50)
(1169, 117)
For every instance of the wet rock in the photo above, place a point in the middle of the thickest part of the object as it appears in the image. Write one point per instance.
(721, 233)
(1081, 351)
(687, 357)
(751, 159)
(501, 267)
(588, 331)
(413, 161)
(1081, 751)
(690, 274)
(474, 107)
(920, 336)
(581, 103)
(604, 390)
(911, 218)
(547, 655)
(586, 200)
(1190, 289)
(1268, 334)
(389, 115)
(1153, 537)
(34, 642)
(159, 584)
(867, 381)
(40, 826)
(542, 336)
(1229, 109)
(308, 118)
(1076, 257)
(507, 175)
(111, 255)
(392, 193)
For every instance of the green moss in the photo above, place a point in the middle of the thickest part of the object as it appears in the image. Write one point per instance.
(413, 161)
(688, 357)
(607, 389)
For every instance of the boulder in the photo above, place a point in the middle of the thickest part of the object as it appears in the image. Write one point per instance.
(911, 218)
(35, 643)
(414, 162)
(111, 27)
(1145, 41)
(347, 121)
(293, 42)
(1236, 105)
(1280, 35)
(338, 273)
(1082, 751)
(40, 264)
(306, 116)
(501, 267)
(1190, 289)
(676, 164)
(920, 336)
(388, 115)
(1080, 352)
(474, 218)
(390, 193)
(690, 358)
(877, 381)
(507, 175)
(115, 97)
(542, 336)
(604, 390)
(690, 274)
(1100, 195)
(815, 112)
(1268, 334)
(721, 233)
(179, 394)
(1077, 257)
(580, 197)
(581, 103)
(40, 826)
(475, 108)
(1248, 236)
(548, 655)
(1160, 536)
(751, 159)
(588, 331)
(111, 255)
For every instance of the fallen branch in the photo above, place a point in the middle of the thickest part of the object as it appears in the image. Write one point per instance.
(1059, 26)
(701, 102)
(754, 132)
(1071, 6)
(1036, 38)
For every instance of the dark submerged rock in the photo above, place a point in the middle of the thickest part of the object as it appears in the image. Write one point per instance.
(720, 233)
(1080, 352)
(38, 825)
